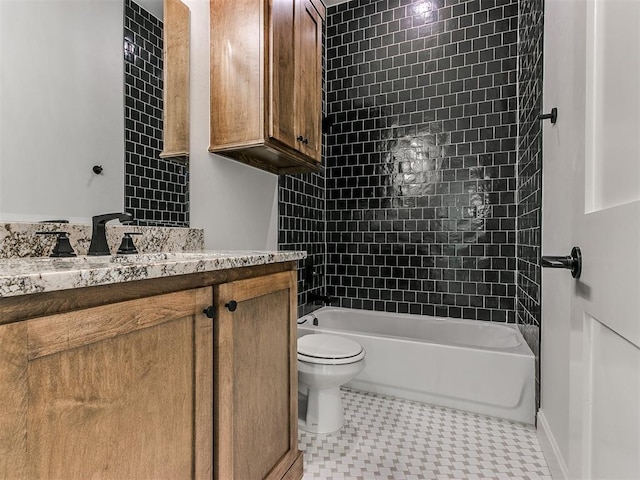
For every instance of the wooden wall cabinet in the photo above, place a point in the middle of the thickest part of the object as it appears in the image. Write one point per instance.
(139, 388)
(266, 83)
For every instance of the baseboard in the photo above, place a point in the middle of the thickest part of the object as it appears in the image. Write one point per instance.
(552, 455)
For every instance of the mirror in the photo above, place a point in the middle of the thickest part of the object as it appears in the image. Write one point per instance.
(174, 20)
(154, 7)
(62, 112)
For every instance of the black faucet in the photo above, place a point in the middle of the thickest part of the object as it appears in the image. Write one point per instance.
(99, 244)
(315, 297)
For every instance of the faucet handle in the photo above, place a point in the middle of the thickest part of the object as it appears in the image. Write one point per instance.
(63, 246)
(127, 247)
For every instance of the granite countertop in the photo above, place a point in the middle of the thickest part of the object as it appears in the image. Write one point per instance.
(21, 276)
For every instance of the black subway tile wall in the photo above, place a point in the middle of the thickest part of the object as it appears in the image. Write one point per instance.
(301, 223)
(420, 161)
(530, 175)
(156, 189)
(301, 203)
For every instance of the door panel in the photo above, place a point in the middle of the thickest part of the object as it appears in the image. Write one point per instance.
(609, 232)
(613, 385)
(590, 354)
(610, 228)
(613, 103)
(610, 240)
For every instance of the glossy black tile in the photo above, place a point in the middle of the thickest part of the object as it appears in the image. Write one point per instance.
(424, 194)
(528, 294)
(419, 192)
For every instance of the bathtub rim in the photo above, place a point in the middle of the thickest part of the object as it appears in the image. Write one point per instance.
(522, 349)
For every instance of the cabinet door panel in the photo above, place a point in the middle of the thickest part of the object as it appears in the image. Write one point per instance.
(119, 408)
(237, 73)
(14, 395)
(203, 358)
(256, 388)
(283, 112)
(261, 390)
(116, 391)
(309, 76)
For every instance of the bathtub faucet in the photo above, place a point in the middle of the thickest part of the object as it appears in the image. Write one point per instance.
(326, 299)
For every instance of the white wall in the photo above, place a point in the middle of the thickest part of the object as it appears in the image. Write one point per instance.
(61, 91)
(236, 205)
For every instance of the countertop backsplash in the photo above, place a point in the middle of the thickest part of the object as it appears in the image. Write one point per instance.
(19, 239)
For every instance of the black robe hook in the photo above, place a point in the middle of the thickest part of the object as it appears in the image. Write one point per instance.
(553, 116)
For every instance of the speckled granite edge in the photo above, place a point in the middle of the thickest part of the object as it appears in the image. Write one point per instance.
(19, 240)
(21, 276)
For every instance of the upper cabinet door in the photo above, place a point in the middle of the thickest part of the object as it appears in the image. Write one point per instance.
(236, 74)
(282, 121)
(309, 77)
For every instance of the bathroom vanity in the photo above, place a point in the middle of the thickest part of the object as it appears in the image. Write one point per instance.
(149, 366)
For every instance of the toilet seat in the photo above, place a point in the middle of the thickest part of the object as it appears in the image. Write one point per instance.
(324, 349)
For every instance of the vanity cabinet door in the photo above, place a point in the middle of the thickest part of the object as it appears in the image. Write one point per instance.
(256, 379)
(118, 391)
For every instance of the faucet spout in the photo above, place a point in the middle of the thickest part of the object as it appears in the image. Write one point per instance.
(326, 299)
(99, 244)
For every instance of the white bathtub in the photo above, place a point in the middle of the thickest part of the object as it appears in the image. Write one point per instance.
(471, 365)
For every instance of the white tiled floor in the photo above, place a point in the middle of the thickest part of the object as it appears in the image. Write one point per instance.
(389, 438)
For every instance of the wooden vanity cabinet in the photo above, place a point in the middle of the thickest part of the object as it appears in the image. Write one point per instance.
(117, 391)
(122, 383)
(266, 83)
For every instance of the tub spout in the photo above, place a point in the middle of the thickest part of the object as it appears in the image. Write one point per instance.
(326, 299)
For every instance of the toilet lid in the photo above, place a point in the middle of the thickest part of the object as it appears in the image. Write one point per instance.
(328, 349)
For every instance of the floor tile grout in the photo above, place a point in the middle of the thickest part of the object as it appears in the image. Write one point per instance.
(391, 438)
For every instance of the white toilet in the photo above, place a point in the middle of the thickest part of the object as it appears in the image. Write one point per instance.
(325, 363)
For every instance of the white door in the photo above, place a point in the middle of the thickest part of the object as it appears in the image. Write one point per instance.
(590, 350)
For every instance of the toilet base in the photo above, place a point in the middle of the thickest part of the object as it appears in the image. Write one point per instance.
(321, 411)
